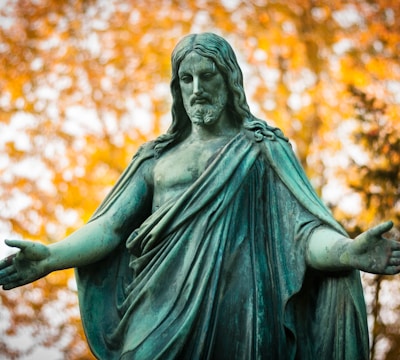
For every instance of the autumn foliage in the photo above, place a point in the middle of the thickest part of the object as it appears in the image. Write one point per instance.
(84, 83)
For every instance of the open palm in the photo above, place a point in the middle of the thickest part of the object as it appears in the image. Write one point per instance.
(371, 252)
(25, 266)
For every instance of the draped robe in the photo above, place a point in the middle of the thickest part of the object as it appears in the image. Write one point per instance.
(220, 272)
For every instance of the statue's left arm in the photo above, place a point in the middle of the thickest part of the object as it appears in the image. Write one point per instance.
(370, 251)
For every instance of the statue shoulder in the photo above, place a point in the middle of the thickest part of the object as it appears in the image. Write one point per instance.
(145, 151)
(259, 130)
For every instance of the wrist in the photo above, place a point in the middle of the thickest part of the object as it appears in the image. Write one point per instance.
(329, 250)
(346, 258)
(49, 264)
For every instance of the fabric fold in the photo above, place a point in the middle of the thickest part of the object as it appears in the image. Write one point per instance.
(220, 273)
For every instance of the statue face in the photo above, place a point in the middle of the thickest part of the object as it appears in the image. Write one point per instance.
(203, 88)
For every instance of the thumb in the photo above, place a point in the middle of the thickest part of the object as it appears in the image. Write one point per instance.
(380, 229)
(20, 244)
(30, 249)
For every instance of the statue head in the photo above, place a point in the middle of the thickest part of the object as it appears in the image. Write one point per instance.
(221, 53)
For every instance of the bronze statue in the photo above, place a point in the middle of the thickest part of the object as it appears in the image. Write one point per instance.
(213, 244)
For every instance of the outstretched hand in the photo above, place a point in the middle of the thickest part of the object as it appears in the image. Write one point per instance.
(371, 252)
(25, 266)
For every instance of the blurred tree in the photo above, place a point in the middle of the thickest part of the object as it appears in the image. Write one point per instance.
(376, 179)
(85, 82)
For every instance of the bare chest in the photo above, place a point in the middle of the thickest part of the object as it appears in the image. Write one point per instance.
(176, 170)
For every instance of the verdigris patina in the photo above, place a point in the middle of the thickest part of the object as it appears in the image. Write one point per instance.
(213, 244)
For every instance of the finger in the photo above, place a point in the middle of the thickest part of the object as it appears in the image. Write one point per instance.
(392, 270)
(6, 272)
(10, 281)
(394, 261)
(7, 261)
(381, 228)
(14, 284)
(30, 249)
(396, 253)
(20, 244)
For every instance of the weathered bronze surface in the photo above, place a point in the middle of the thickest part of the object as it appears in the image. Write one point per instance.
(213, 244)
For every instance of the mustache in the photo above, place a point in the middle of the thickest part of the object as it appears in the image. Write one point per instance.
(202, 98)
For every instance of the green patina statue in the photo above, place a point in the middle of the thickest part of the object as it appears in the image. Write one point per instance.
(213, 244)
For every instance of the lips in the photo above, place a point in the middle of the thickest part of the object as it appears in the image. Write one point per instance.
(199, 100)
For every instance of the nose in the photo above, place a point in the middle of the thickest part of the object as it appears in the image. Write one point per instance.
(197, 87)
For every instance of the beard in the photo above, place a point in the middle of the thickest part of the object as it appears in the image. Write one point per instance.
(207, 113)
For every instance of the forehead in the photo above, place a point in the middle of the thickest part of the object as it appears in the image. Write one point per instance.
(194, 62)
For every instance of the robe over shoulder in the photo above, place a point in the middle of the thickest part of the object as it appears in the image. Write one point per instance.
(220, 272)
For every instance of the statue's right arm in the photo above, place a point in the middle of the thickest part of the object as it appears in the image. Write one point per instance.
(88, 244)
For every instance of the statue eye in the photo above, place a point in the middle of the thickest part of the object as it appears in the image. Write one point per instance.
(186, 79)
(208, 75)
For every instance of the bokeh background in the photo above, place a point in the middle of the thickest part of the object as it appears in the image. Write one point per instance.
(84, 83)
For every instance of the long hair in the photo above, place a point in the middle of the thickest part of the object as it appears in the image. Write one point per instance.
(221, 53)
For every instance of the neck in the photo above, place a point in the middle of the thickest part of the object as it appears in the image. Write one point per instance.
(222, 128)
